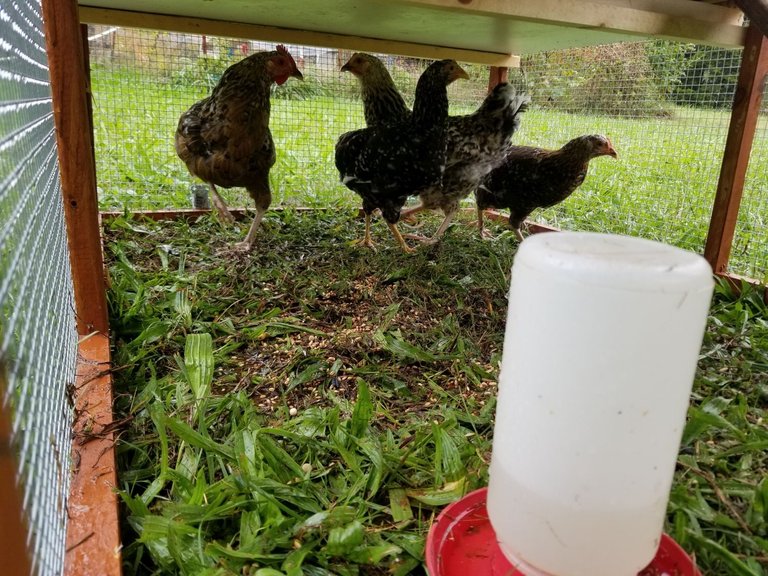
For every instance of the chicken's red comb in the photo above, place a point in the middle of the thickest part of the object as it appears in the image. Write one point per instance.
(281, 49)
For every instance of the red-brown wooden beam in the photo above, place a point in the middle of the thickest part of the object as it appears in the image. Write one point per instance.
(13, 532)
(74, 137)
(498, 74)
(746, 107)
(93, 529)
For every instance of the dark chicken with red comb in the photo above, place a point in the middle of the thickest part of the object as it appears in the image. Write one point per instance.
(475, 142)
(386, 164)
(225, 139)
(531, 178)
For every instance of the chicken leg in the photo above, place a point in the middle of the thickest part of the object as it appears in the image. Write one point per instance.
(247, 244)
(438, 233)
(262, 197)
(408, 214)
(485, 234)
(366, 240)
(221, 206)
(399, 238)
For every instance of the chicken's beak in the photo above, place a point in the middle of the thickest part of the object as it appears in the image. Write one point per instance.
(297, 74)
(346, 68)
(611, 152)
(459, 73)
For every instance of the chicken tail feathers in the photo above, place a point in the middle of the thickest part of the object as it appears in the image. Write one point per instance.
(521, 103)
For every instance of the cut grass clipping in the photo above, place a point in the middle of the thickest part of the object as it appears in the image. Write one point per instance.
(309, 408)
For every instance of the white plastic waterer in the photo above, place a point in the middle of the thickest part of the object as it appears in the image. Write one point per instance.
(601, 345)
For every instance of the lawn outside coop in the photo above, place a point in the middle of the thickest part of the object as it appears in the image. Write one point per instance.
(272, 421)
(665, 105)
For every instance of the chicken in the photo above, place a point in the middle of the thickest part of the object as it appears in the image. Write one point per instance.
(382, 103)
(386, 164)
(225, 139)
(475, 142)
(476, 145)
(531, 178)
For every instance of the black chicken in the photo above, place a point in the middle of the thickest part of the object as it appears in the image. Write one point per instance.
(386, 164)
(225, 138)
(475, 142)
(531, 178)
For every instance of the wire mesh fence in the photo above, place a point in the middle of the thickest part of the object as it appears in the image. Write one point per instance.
(38, 342)
(750, 244)
(665, 105)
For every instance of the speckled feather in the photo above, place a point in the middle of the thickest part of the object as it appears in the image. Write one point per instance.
(531, 178)
(476, 144)
(386, 164)
(225, 139)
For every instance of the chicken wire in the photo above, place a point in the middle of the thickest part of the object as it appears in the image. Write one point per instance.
(750, 243)
(665, 105)
(144, 80)
(38, 341)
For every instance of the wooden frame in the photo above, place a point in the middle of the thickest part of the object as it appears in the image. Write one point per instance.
(93, 532)
(93, 540)
(741, 133)
(69, 85)
(97, 551)
(288, 36)
(668, 19)
(13, 529)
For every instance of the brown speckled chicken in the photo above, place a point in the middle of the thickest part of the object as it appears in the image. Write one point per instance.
(225, 140)
(531, 178)
(475, 142)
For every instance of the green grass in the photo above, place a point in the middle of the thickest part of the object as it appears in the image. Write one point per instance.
(309, 409)
(661, 187)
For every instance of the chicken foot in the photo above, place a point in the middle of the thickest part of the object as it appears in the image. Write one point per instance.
(399, 238)
(366, 240)
(247, 244)
(221, 206)
(438, 233)
(485, 234)
(408, 214)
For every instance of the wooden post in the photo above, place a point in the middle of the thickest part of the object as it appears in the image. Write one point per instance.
(13, 532)
(498, 74)
(746, 106)
(74, 137)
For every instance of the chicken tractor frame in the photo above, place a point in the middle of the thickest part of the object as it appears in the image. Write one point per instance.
(459, 29)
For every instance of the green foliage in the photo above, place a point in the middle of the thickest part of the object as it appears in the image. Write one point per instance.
(201, 72)
(661, 186)
(669, 63)
(286, 423)
(217, 472)
(710, 77)
(613, 80)
(695, 75)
